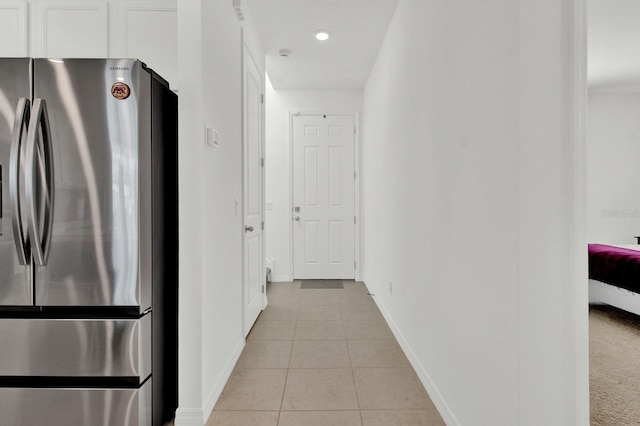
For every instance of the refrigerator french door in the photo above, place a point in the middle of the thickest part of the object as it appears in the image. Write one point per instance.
(88, 245)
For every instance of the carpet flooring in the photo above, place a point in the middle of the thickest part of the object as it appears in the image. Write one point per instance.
(614, 352)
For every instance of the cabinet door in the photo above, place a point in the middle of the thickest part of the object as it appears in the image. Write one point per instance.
(69, 29)
(13, 29)
(147, 30)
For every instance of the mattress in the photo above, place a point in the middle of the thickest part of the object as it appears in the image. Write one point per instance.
(615, 265)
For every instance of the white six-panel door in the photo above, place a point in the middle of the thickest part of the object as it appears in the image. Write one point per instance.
(323, 196)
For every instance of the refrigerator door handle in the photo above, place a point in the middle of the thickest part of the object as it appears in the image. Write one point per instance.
(40, 242)
(20, 123)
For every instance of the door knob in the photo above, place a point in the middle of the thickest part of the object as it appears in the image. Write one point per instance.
(297, 218)
(248, 229)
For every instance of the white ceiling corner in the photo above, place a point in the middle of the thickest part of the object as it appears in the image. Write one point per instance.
(357, 29)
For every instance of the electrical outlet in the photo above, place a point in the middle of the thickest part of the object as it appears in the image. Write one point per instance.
(391, 287)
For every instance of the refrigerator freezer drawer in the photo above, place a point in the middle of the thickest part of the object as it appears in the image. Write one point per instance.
(76, 348)
(78, 407)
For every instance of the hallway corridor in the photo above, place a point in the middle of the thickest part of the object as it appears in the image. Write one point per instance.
(322, 357)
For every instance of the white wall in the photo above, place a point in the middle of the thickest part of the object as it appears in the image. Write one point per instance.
(468, 208)
(222, 179)
(191, 192)
(279, 104)
(211, 336)
(613, 167)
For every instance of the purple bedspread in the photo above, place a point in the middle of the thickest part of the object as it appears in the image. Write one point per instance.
(615, 265)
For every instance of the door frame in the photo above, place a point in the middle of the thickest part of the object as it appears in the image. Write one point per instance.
(357, 184)
(246, 51)
(578, 90)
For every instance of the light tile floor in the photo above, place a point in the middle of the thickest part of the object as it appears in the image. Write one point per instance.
(326, 358)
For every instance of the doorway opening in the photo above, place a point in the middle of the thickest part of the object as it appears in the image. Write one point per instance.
(612, 145)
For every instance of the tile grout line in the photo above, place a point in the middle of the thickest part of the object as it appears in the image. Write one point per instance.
(286, 377)
(353, 377)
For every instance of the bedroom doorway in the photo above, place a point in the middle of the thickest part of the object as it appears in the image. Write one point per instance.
(612, 209)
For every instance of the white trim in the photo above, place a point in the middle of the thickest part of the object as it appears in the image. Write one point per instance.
(441, 405)
(199, 416)
(356, 195)
(243, 120)
(263, 171)
(189, 417)
(357, 210)
(281, 278)
(290, 209)
(579, 292)
(213, 396)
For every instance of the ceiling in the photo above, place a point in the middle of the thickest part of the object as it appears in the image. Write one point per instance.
(357, 29)
(614, 45)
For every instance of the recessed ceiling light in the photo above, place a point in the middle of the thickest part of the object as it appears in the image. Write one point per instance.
(321, 35)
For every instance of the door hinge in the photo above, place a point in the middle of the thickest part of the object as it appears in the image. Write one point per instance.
(263, 225)
(354, 131)
(354, 175)
(262, 162)
(261, 99)
(354, 220)
(262, 288)
(355, 265)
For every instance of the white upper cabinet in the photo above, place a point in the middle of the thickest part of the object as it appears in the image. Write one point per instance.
(143, 29)
(13, 29)
(69, 29)
(147, 30)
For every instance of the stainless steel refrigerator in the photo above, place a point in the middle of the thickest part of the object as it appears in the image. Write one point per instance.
(88, 243)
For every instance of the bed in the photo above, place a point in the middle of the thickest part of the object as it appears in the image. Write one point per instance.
(614, 276)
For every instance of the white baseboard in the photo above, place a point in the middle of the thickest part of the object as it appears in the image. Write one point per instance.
(435, 395)
(281, 278)
(214, 394)
(199, 416)
(189, 417)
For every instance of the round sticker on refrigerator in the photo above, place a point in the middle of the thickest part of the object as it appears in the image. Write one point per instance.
(120, 90)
